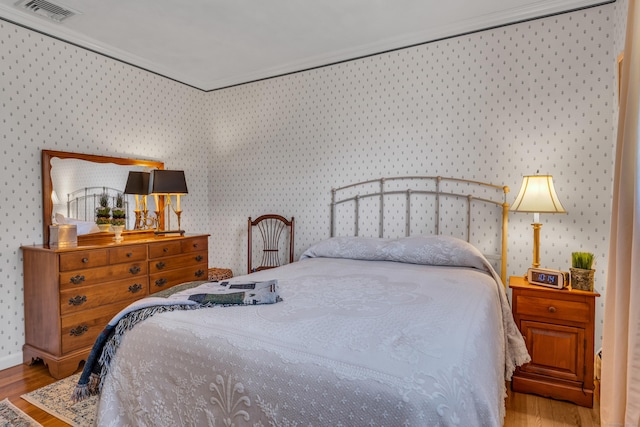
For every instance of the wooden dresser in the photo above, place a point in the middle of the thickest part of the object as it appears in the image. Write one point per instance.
(558, 328)
(71, 294)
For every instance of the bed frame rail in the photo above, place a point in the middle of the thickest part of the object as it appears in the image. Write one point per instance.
(436, 187)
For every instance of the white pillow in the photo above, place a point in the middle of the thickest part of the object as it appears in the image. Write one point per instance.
(83, 227)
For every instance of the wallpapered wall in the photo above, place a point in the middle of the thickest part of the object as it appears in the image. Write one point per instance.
(490, 106)
(59, 97)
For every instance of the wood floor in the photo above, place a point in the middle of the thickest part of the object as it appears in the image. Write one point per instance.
(523, 410)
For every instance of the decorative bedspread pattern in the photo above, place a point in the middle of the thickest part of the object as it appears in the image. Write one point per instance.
(188, 296)
(355, 342)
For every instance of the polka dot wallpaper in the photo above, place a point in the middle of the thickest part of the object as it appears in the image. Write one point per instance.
(490, 106)
(59, 97)
(536, 97)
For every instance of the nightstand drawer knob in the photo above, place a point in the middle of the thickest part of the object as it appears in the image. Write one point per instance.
(552, 309)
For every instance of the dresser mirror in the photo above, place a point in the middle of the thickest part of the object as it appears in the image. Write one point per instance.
(72, 182)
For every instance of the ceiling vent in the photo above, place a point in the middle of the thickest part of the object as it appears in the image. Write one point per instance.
(46, 9)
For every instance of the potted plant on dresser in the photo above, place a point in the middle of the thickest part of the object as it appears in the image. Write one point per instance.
(118, 217)
(103, 212)
(582, 271)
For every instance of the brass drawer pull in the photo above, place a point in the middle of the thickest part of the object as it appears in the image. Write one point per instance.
(129, 254)
(165, 249)
(552, 309)
(199, 273)
(76, 280)
(199, 258)
(135, 269)
(160, 265)
(78, 300)
(79, 330)
(161, 282)
(136, 287)
(85, 260)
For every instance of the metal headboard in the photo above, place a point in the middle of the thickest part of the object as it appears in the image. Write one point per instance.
(82, 203)
(376, 188)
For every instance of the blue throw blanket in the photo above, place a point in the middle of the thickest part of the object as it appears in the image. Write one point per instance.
(188, 296)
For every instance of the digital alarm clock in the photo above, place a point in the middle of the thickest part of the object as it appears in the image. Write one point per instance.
(546, 277)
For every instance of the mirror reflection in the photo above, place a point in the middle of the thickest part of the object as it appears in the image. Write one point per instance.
(72, 184)
(78, 189)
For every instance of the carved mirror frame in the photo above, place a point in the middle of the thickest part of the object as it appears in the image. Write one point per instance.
(47, 183)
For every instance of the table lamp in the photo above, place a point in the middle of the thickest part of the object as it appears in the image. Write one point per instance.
(168, 183)
(138, 185)
(537, 195)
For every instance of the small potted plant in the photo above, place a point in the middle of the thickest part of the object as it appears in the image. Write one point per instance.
(582, 271)
(118, 217)
(103, 212)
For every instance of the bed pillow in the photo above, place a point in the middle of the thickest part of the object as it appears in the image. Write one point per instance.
(427, 250)
(83, 227)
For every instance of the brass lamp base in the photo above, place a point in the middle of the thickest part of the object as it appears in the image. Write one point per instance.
(536, 244)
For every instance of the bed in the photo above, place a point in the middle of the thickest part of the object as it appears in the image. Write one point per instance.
(370, 330)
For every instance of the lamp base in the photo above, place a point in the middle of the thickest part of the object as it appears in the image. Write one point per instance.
(536, 244)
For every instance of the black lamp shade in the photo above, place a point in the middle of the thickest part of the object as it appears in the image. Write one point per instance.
(167, 182)
(137, 183)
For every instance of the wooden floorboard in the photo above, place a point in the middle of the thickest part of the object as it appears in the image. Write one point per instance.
(523, 410)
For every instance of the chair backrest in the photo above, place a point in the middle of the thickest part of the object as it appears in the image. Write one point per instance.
(274, 230)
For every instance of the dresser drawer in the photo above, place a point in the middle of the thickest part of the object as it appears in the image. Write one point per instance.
(572, 311)
(180, 261)
(194, 244)
(81, 330)
(161, 281)
(171, 247)
(88, 297)
(84, 259)
(127, 254)
(73, 279)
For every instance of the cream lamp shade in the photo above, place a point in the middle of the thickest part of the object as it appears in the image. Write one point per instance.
(537, 195)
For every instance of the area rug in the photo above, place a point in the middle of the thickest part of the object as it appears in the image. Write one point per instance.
(12, 416)
(55, 399)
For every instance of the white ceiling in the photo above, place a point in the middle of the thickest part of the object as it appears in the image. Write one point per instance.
(210, 44)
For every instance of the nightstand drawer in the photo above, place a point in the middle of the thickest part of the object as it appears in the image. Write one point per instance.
(557, 309)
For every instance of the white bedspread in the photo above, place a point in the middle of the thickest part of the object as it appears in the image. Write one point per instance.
(353, 343)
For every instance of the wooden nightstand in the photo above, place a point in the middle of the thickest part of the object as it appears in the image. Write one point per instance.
(558, 328)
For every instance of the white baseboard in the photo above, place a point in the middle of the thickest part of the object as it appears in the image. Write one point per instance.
(10, 360)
